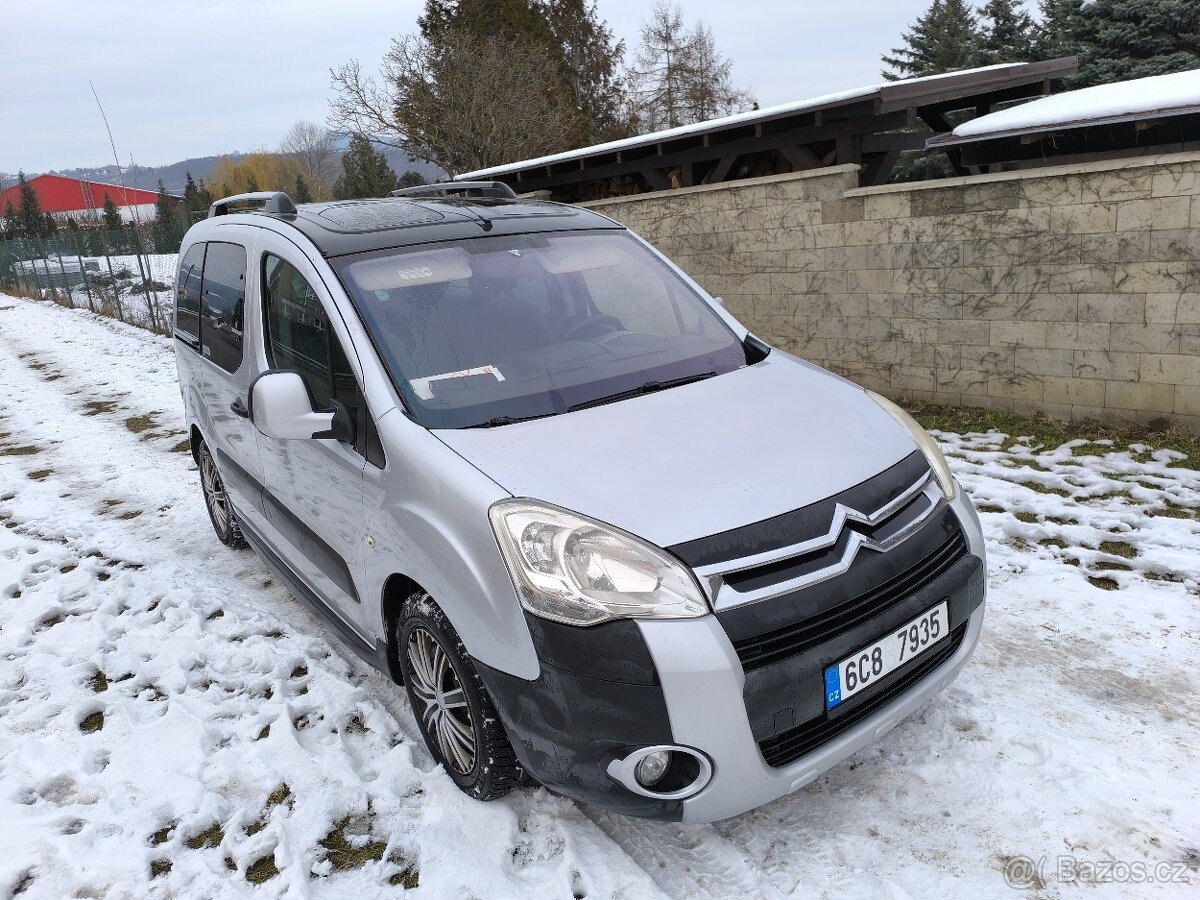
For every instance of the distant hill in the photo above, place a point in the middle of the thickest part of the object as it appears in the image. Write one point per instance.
(174, 176)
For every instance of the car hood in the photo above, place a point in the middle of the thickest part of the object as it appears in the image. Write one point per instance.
(698, 459)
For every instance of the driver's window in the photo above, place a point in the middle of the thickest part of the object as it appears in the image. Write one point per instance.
(639, 298)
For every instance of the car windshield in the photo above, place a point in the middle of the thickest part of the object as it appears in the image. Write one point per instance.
(499, 329)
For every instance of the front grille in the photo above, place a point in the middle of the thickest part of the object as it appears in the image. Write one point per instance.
(803, 634)
(794, 743)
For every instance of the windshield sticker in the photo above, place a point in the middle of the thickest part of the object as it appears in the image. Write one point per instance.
(423, 387)
(416, 273)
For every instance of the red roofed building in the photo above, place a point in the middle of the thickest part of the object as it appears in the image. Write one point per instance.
(83, 200)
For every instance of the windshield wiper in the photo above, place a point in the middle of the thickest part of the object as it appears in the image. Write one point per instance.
(504, 420)
(649, 387)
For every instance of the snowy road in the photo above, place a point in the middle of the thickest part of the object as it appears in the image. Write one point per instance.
(173, 724)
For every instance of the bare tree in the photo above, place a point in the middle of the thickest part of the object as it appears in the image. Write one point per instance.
(471, 103)
(679, 75)
(314, 149)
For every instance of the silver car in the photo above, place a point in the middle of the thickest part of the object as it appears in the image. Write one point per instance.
(607, 540)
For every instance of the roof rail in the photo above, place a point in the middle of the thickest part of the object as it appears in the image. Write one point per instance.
(276, 203)
(495, 190)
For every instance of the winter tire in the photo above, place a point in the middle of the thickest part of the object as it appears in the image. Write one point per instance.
(216, 499)
(451, 705)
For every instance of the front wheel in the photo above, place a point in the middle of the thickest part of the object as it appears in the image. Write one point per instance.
(453, 710)
(216, 499)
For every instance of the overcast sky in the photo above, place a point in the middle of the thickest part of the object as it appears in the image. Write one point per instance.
(204, 77)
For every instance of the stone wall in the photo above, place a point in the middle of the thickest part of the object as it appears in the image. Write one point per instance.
(1074, 291)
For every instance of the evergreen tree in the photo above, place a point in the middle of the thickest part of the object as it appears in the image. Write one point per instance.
(524, 19)
(945, 39)
(411, 179)
(112, 216)
(12, 227)
(365, 172)
(1123, 39)
(49, 225)
(166, 223)
(303, 194)
(29, 211)
(252, 185)
(204, 197)
(1054, 36)
(191, 195)
(590, 60)
(1008, 33)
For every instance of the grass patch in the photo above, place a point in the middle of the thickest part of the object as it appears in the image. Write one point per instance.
(161, 836)
(1172, 577)
(1062, 520)
(41, 474)
(1053, 542)
(1172, 510)
(1105, 584)
(159, 867)
(1052, 434)
(989, 507)
(1042, 489)
(206, 839)
(264, 733)
(132, 514)
(1111, 495)
(1027, 517)
(92, 723)
(300, 671)
(138, 424)
(1119, 548)
(1105, 566)
(261, 870)
(182, 447)
(408, 879)
(345, 855)
(99, 682)
(96, 407)
(26, 450)
(278, 796)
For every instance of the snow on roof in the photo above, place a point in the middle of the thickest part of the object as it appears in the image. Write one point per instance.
(1158, 95)
(743, 118)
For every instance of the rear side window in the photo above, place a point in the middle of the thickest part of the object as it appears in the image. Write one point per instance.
(299, 338)
(222, 304)
(187, 296)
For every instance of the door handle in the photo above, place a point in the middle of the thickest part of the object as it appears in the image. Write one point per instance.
(239, 408)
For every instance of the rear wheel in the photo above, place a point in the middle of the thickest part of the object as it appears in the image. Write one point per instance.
(216, 499)
(453, 710)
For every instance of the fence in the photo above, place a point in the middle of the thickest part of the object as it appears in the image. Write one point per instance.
(127, 273)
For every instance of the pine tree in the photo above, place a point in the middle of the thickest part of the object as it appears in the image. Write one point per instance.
(590, 60)
(166, 223)
(1054, 36)
(12, 227)
(1124, 39)
(365, 172)
(484, 18)
(29, 210)
(204, 197)
(112, 216)
(411, 178)
(945, 39)
(191, 195)
(1007, 34)
(303, 194)
(252, 185)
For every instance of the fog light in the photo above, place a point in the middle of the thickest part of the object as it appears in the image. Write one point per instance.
(652, 767)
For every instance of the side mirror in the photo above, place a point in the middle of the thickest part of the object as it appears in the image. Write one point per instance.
(281, 408)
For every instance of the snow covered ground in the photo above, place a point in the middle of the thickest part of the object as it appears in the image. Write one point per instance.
(174, 724)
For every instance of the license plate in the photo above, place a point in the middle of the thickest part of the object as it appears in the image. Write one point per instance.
(870, 665)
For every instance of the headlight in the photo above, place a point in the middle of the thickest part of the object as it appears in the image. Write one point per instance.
(928, 445)
(572, 569)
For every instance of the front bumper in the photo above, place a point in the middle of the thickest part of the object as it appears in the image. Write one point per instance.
(607, 690)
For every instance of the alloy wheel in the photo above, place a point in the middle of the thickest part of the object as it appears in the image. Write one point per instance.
(214, 492)
(446, 715)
